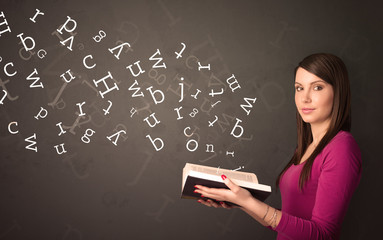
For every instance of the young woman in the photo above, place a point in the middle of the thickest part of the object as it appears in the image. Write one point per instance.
(317, 184)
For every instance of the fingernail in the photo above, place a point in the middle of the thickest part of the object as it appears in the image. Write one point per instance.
(221, 203)
(199, 201)
(223, 177)
(195, 191)
(195, 186)
(202, 196)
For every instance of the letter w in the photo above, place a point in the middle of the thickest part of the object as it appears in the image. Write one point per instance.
(32, 143)
(159, 59)
(36, 79)
(249, 105)
(132, 88)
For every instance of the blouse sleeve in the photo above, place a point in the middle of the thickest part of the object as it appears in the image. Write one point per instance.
(340, 175)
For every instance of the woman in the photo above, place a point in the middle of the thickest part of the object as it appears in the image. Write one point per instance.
(317, 184)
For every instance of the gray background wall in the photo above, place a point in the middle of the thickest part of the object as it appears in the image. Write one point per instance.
(98, 190)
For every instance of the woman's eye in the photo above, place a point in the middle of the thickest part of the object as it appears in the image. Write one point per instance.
(318, 88)
(298, 88)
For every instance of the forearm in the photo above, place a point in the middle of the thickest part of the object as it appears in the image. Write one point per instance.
(263, 213)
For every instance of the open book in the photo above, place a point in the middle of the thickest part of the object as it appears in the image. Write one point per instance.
(194, 174)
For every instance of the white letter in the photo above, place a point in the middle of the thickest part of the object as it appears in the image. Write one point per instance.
(85, 138)
(178, 112)
(9, 128)
(119, 51)
(80, 107)
(62, 131)
(155, 120)
(188, 143)
(139, 68)
(235, 126)
(6, 72)
(232, 83)
(25, 45)
(37, 13)
(65, 26)
(4, 22)
(32, 143)
(159, 59)
(131, 88)
(153, 142)
(118, 135)
(107, 87)
(156, 91)
(249, 105)
(41, 116)
(86, 65)
(36, 79)
(70, 74)
(62, 149)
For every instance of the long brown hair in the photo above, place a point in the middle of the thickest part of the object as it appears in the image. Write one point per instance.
(331, 69)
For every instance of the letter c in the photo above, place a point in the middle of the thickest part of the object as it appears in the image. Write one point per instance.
(6, 72)
(9, 128)
(84, 62)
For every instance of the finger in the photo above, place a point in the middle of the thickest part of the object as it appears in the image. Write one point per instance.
(214, 204)
(230, 184)
(204, 194)
(204, 202)
(224, 205)
(214, 193)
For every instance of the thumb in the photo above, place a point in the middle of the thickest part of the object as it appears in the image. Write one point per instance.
(233, 187)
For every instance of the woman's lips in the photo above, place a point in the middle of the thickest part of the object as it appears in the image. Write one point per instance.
(307, 110)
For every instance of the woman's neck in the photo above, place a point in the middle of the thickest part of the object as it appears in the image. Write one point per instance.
(318, 131)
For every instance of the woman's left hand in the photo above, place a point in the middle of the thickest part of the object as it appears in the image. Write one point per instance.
(234, 194)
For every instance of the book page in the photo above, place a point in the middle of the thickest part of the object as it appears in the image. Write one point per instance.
(243, 176)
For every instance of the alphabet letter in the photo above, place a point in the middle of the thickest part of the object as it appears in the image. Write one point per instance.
(249, 105)
(139, 68)
(156, 91)
(233, 82)
(159, 59)
(36, 79)
(107, 87)
(9, 128)
(70, 74)
(154, 144)
(37, 13)
(6, 24)
(86, 65)
(179, 54)
(117, 134)
(39, 114)
(119, 51)
(155, 120)
(6, 72)
(25, 45)
(237, 126)
(59, 152)
(32, 143)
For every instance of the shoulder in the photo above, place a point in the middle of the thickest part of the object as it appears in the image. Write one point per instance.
(342, 150)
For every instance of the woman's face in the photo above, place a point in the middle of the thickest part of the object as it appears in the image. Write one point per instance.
(313, 97)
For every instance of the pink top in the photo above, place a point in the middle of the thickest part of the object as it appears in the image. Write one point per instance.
(318, 212)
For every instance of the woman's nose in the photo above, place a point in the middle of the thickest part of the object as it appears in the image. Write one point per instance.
(306, 97)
